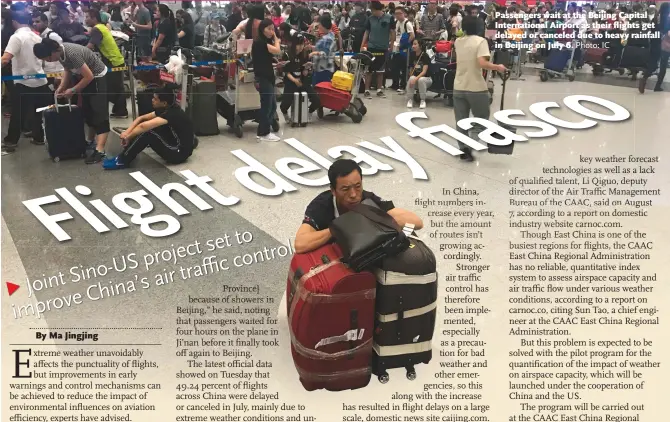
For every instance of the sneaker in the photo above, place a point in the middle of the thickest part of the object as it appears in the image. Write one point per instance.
(118, 116)
(10, 145)
(399, 90)
(95, 157)
(6, 152)
(36, 142)
(270, 137)
(402, 92)
(422, 104)
(410, 104)
(658, 88)
(368, 95)
(28, 134)
(8, 148)
(287, 119)
(380, 94)
(113, 163)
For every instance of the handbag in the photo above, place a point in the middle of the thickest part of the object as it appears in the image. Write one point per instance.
(367, 235)
(665, 43)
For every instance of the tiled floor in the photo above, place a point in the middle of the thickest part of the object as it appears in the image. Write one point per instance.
(29, 249)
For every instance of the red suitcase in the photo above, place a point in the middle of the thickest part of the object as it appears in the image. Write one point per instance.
(595, 55)
(331, 312)
(333, 98)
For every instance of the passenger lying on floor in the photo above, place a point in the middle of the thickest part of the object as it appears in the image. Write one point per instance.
(346, 191)
(167, 130)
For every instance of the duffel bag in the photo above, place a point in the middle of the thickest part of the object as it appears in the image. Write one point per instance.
(367, 235)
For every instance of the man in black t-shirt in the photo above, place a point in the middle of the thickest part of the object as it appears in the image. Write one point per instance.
(167, 130)
(346, 191)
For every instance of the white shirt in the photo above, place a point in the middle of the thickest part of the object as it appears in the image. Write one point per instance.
(52, 67)
(399, 30)
(128, 12)
(24, 62)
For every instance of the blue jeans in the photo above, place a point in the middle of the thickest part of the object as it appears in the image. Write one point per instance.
(266, 114)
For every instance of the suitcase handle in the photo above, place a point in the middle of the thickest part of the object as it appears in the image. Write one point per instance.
(69, 103)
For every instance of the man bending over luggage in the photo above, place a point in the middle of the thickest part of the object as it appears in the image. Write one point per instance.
(167, 130)
(346, 191)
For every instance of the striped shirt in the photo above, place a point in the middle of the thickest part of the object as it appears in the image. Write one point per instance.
(75, 56)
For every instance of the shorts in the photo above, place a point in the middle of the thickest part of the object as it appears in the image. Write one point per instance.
(95, 108)
(378, 60)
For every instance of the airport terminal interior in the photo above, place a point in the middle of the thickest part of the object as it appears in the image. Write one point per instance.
(29, 173)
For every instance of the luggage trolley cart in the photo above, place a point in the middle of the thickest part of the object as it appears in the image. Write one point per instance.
(561, 62)
(346, 102)
(244, 103)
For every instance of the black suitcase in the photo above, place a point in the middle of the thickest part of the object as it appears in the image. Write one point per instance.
(64, 134)
(633, 57)
(406, 309)
(300, 110)
(202, 108)
(504, 149)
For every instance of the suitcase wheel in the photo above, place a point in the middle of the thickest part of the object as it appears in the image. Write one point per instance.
(383, 378)
(571, 77)
(411, 374)
(56, 159)
(622, 72)
(363, 109)
(544, 76)
(319, 112)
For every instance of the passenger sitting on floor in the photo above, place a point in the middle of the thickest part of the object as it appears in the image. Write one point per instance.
(346, 191)
(296, 77)
(167, 130)
(420, 79)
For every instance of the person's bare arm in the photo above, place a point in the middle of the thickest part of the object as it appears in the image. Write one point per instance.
(403, 217)
(275, 48)
(307, 238)
(487, 65)
(364, 43)
(6, 58)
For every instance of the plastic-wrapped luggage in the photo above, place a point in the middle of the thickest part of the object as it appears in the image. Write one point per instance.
(331, 319)
(558, 60)
(406, 309)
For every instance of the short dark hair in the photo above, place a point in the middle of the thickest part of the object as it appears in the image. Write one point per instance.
(41, 16)
(401, 8)
(94, 13)
(376, 5)
(470, 24)
(45, 48)
(166, 95)
(326, 21)
(341, 168)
